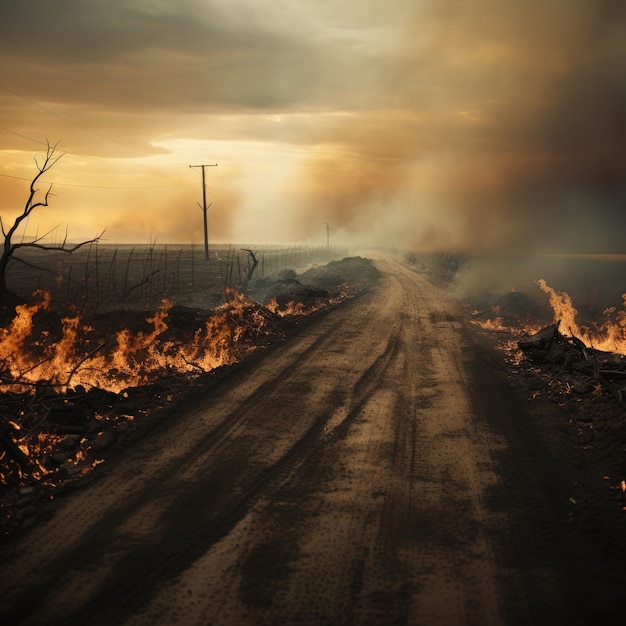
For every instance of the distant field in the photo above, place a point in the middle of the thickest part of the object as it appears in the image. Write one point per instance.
(102, 277)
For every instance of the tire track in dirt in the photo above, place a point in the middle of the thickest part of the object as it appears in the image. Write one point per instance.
(126, 510)
(414, 565)
(349, 505)
(356, 475)
(235, 421)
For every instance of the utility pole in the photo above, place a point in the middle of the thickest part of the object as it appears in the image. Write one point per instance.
(205, 208)
(327, 241)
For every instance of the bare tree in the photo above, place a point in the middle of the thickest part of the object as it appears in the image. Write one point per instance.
(10, 247)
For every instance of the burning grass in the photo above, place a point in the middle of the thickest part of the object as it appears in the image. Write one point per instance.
(505, 314)
(64, 352)
(61, 375)
(71, 385)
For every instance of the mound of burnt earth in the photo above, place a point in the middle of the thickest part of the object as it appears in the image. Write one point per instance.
(317, 285)
(512, 309)
(285, 290)
(576, 371)
(347, 274)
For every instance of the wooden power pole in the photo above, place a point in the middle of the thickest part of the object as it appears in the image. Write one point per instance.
(327, 241)
(205, 209)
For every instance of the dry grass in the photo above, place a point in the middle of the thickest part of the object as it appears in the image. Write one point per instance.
(103, 277)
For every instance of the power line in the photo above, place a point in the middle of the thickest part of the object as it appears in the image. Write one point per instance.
(43, 143)
(76, 154)
(8, 130)
(66, 119)
(51, 112)
(82, 156)
(100, 186)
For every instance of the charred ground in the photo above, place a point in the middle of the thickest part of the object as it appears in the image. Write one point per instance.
(576, 399)
(53, 432)
(573, 434)
(580, 414)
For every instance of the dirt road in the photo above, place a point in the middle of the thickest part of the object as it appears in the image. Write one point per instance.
(374, 469)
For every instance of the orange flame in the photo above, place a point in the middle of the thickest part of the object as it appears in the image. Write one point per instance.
(562, 308)
(68, 353)
(294, 307)
(291, 308)
(234, 330)
(608, 335)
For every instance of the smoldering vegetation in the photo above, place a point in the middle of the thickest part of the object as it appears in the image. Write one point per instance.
(586, 294)
(81, 375)
(338, 278)
(594, 283)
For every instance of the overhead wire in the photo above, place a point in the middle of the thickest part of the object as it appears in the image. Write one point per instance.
(43, 143)
(66, 119)
(101, 186)
(8, 130)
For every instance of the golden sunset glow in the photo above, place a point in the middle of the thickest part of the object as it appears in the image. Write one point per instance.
(485, 125)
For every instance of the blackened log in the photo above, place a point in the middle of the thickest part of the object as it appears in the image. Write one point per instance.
(541, 340)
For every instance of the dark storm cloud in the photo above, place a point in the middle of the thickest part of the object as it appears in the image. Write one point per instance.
(563, 112)
(144, 70)
(150, 55)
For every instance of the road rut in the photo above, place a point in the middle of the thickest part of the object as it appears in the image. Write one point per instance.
(355, 474)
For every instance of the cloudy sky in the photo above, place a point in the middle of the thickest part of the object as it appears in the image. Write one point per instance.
(479, 125)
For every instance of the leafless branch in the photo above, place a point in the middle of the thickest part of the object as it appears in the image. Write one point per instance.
(145, 280)
(35, 267)
(44, 164)
(81, 361)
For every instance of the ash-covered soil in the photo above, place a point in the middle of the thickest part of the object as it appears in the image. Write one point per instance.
(575, 397)
(579, 412)
(585, 424)
(391, 445)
